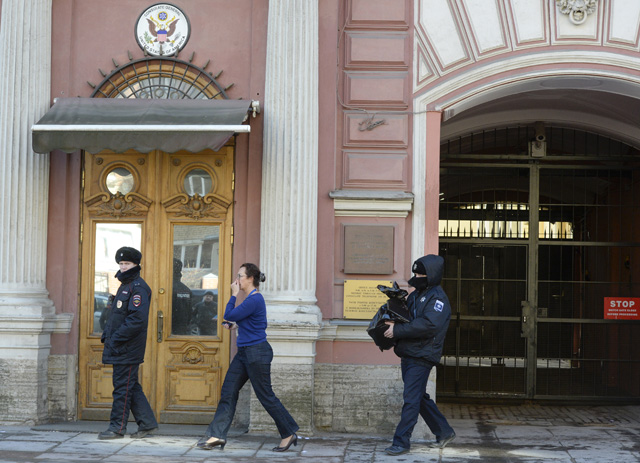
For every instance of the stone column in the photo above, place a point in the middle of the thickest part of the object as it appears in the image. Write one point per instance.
(27, 315)
(288, 234)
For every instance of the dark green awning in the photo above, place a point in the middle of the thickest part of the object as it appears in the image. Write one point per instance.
(121, 124)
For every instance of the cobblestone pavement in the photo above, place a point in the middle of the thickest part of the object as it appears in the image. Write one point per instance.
(606, 434)
(545, 415)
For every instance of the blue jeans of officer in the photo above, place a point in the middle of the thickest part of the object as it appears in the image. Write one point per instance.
(415, 374)
(128, 396)
(250, 363)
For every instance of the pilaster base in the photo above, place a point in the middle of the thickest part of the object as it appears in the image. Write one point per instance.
(61, 388)
(293, 331)
(26, 324)
(363, 399)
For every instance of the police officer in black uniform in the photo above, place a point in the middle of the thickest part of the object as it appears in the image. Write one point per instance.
(125, 339)
(181, 310)
(419, 345)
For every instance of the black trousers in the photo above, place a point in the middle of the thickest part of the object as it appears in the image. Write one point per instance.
(250, 363)
(128, 396)
(417, 402)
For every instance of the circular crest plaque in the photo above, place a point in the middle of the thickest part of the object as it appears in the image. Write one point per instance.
(162, 29)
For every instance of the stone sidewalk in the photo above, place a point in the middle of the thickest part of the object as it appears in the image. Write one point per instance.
(497, 434)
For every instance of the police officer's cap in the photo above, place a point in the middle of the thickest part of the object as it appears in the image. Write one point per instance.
(129, 255)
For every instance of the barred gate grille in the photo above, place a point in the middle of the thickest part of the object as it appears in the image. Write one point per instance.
(532, 246)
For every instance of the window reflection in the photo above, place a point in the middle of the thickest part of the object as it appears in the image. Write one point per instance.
(109, 238)
(120, 180)
(195, 280)
(197, 181)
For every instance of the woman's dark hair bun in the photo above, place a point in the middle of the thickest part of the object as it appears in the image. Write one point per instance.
(254, 273)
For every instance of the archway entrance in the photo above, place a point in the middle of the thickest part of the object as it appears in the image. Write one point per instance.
(539, 231)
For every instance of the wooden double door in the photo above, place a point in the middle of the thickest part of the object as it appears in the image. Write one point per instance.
(178, 210)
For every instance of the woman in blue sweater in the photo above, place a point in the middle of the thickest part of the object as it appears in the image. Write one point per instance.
(252, 362)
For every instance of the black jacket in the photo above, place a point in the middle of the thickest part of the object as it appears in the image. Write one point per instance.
(125, 336)
(423, 337)
(181, 306)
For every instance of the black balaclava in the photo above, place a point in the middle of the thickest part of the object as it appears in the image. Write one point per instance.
(419, 283)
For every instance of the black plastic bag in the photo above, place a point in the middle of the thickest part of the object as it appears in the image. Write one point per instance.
(394, 310)
(397, 303)
(393, 292)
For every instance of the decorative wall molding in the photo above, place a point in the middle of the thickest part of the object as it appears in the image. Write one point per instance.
(196, 206)
(577, 10)
(447, 93)
(375, 170)
(370, 203)
(118, 205)
(454, 36)
(340, 330)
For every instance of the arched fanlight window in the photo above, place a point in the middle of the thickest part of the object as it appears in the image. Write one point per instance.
(160, 77)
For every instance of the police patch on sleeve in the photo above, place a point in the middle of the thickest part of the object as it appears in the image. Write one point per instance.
(137, 300)
(439, 305)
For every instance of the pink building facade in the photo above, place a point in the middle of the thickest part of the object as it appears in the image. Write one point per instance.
(502, 135)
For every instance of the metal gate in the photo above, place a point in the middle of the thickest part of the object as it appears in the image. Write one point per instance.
(538, 230)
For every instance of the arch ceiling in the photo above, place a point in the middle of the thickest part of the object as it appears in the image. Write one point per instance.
(490, 63)
(605, 106)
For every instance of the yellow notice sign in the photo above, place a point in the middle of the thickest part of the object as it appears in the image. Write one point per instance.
(362, 298)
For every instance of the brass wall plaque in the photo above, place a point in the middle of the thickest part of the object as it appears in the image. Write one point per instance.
(362, 298)
(368, 249)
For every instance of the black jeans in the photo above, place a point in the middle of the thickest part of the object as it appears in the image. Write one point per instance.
(415, 374)
(250, 363)
(128, 396)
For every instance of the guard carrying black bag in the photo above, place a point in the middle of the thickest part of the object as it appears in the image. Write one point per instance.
(394, 310)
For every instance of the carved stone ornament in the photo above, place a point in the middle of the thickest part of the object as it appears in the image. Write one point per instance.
(193, 356)
(196, 206)
(578, 10)
(118, 205)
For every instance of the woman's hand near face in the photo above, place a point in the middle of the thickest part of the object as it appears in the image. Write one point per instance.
(235, 288)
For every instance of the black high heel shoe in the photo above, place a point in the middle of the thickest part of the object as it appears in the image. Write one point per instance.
(293, 440)
(204, 445)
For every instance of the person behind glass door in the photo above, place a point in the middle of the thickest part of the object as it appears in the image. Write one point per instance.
(251, 362)
(204, 318)
(125, 340)
(106, 312)
(181, 302)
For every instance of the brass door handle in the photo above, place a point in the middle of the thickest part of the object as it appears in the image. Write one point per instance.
(160, 325)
